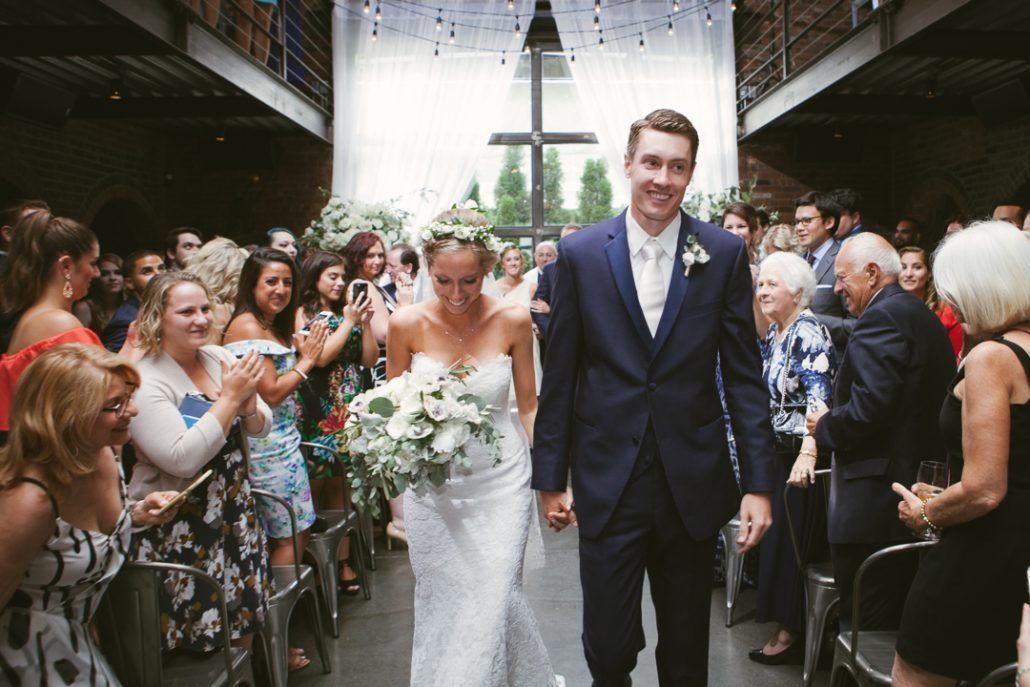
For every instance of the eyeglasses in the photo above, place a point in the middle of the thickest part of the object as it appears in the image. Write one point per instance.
(122, 405)
(805, 221)
(841, 278)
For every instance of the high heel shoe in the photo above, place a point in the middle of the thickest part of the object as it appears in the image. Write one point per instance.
(352, 586)
(792, 655)
(393, 532)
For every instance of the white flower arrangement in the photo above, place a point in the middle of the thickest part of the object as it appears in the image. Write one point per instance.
(411, 432)
(456, 228)
(341, 219)
(693, 253)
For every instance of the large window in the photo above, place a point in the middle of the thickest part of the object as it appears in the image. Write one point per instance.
(543, 167)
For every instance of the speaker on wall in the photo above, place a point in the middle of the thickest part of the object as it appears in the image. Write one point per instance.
(27, 97)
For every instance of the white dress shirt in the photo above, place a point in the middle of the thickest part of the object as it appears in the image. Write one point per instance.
(667, 241)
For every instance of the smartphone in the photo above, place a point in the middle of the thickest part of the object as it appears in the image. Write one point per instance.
(320, 317)
(180, 498)
(358, 290)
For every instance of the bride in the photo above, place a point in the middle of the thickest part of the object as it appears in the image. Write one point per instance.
(467, 538)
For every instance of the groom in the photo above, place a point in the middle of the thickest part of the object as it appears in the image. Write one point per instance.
(630, 406)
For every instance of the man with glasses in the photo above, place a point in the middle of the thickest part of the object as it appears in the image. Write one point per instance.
(816, 218)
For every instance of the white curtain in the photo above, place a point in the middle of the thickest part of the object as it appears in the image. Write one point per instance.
(410, 127)
(691, 71)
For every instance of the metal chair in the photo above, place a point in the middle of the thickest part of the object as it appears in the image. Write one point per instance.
(129, 626)
(821, 592)
(291, 583)
(734, 565)
(323, 546)
(873, 663)
(999, 676)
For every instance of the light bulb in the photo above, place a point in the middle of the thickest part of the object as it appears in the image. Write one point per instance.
(670, 26)
(675, 6)
(641, 42)
(503, 60)
(573, 58)
(511, 4)
(597, 6)
(733, 7)
(708, 17)
(379, 14)
(600, 43)
(366, 9)
(375, 32)
(439, 21)
(451, 38)
(518, 28)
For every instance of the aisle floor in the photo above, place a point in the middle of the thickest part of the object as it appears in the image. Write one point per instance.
(374, 647)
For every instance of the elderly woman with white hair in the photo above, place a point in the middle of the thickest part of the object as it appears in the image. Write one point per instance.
(962, 614)
(799, 362)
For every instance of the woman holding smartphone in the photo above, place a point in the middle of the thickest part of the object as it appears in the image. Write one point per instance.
(264, 324)
(216, 528)
(66, 518)
(335, 380)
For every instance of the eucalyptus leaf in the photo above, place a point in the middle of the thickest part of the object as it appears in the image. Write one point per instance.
(382, 407)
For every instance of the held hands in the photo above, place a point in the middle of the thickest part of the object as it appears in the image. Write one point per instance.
(910, 507)
(144, 513)
(755, 519)
(310, 346)
(558, 509)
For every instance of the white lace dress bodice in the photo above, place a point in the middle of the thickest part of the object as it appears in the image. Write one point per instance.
(467, 542)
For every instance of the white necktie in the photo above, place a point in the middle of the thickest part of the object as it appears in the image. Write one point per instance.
(651, 289)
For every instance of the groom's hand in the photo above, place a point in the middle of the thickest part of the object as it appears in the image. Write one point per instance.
(557, 508)
(755, 519)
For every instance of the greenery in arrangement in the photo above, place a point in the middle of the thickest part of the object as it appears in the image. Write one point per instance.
(595, 193)
(709, 206)
(341, 219)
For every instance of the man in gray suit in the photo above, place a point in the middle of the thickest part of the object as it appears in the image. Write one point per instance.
(816, 218)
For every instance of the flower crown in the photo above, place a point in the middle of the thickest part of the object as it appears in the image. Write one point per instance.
(456, 228)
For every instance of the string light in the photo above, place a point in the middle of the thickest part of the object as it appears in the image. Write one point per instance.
(600, 43)
(503, 56)
(670, 29)
(675, 6)
(379, 14)
(366, 9)
(518, 27)
(573, 51)
(439, 20)
(375, 32)
(597, 6)
(708, 16)
(733, 7)
(511, 4)
(597, 23)
(436, 51)
(451, 38)
(641, 42)
(525, 49)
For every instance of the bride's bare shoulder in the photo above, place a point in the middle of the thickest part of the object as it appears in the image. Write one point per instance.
(410, 317)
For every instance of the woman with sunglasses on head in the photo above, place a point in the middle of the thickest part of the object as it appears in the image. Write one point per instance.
(197, 404)
(67, 521)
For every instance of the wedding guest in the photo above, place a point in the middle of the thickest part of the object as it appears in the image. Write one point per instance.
(216, 529)
(541, 304)
(53, 260)
(544, 253)
(514, 287)
(180, 245)
(886, 400)
(955, 223)
(917, 279)
(850, 202)
(402, 269)
(106, 294)
(816, 218)
(962, 615)
(799, 361)
(253, 21)
(741, 219)
(780, 238)
(335, 380)
(140, 267)
(9, 218)
(909, 232)
(283, 239)
(67, 521)
(1010, 211)
(263, 323)
(763, 225)
(218, 264)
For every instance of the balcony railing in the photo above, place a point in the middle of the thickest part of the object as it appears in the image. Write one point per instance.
(776, 38)
(293, 38)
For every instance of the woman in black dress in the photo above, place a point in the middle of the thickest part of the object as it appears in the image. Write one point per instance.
(962, 615)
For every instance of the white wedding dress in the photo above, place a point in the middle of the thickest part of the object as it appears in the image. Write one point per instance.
(467, 542)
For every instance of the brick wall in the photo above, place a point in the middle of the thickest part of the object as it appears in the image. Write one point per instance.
(169, 177)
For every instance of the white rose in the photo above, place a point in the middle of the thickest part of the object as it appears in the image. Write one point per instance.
(435, 408)
(446, 439)
(462, 233)
(688, 259)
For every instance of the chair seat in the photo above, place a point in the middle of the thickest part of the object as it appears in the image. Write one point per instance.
(875, 654)
(285, 582)
(822, 573)
(185, 670)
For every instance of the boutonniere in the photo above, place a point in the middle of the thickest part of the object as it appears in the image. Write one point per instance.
(693, 253)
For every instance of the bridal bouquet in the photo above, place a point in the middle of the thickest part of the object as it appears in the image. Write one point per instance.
(411, 431)
(341, 219)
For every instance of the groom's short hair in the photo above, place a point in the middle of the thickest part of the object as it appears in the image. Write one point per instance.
(669, 121)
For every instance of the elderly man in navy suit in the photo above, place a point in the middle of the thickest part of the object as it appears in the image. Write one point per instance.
(644, 305)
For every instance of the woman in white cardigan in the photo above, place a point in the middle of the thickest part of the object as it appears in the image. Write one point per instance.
(216, 529)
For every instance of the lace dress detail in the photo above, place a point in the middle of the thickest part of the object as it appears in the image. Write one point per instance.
(467, 539)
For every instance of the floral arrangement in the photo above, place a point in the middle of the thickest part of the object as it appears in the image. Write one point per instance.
(709, 206)
(412, 431)
(341, 219)
(463, 232)
(693, 253)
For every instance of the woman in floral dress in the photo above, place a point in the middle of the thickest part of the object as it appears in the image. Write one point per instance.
(349, 346)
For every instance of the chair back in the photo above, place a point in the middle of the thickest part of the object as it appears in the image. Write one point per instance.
(824, 478)
(261, 493)
(129, 621)
(1000, 676)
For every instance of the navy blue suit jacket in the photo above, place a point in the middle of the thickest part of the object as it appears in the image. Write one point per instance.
(606, 379)
(544, 287)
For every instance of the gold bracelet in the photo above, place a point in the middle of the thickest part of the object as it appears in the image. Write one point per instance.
(810, 454)
(300, 372)
(922, 514)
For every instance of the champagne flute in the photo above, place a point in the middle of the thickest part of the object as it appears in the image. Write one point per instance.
(931, 479)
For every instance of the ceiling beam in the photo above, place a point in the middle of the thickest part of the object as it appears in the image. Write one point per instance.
(976, 45)
(888, 104)
(183, 106)
(77, 41)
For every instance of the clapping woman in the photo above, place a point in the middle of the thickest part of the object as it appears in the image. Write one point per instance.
(799, 363)
(66, 519)
(216, 529)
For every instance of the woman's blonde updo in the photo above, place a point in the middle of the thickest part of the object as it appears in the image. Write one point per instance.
(437, 245)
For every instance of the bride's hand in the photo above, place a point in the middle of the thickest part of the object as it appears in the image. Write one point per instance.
(558, 509)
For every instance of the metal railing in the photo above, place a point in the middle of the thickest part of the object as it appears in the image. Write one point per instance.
(776, 38)
(293, 38)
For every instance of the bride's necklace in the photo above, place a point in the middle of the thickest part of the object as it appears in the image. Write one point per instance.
(464, 335)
